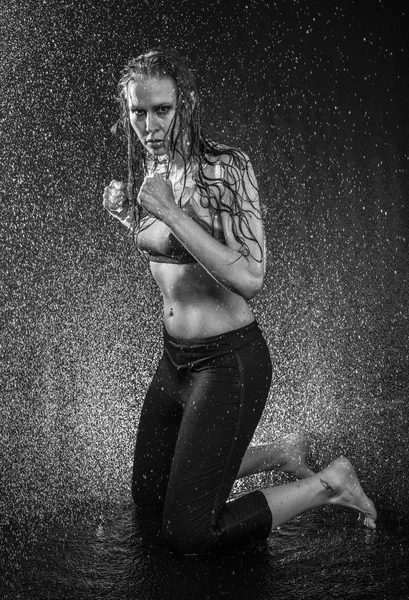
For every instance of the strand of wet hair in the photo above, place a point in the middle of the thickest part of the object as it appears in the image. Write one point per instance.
(231, 182)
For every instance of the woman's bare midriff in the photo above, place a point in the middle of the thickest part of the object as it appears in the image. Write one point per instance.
(195, 305)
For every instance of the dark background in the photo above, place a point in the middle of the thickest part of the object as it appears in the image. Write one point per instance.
(317, 94)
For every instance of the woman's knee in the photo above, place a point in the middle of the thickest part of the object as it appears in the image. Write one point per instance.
(187, 538)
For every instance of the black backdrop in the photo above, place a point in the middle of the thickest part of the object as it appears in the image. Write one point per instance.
(316, 93)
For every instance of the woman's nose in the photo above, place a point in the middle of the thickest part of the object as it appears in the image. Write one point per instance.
(151, 123)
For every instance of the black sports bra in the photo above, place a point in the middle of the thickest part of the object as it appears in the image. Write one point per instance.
(158, 242)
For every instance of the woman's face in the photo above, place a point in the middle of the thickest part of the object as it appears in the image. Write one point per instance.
(152, 109)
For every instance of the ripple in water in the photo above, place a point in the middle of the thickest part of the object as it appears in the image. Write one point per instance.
(106, 553)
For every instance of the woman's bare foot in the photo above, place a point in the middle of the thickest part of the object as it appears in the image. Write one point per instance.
(340, 479)
(336, 484)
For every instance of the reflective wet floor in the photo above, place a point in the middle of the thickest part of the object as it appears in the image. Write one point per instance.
(103, 554)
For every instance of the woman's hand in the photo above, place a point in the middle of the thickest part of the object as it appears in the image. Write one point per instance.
(115, 199)
(116, 202)
(156, 196)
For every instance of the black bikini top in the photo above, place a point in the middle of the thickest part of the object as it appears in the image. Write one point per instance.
(156, 239)
(158, 242)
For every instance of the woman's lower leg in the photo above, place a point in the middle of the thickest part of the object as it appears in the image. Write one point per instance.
(336, 484)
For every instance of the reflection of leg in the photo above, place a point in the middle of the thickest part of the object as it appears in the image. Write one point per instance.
(287, 454)
(336, 484)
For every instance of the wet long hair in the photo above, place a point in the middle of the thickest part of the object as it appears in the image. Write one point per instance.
(187, 141)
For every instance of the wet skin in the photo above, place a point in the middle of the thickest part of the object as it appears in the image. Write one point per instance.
(196, 304)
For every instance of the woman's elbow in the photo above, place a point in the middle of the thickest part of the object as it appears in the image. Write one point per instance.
(253, 286)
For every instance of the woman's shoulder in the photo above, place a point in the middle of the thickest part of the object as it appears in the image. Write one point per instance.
(217, 153)
(226, 162)
(231, 169)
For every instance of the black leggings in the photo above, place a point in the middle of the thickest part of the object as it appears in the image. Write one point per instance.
(199, 416)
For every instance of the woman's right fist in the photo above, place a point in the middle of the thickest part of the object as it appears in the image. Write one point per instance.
(114, 197)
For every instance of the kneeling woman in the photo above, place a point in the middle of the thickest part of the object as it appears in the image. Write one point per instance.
(197, 217)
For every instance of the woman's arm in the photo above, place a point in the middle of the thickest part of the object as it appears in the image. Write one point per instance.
(240, 273)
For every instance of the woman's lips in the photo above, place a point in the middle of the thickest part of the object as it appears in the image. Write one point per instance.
(154, 143)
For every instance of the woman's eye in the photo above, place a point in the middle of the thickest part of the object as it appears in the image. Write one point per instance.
(138, 112)
(162, 110)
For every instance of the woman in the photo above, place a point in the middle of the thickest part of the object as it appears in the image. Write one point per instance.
(197, 217)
